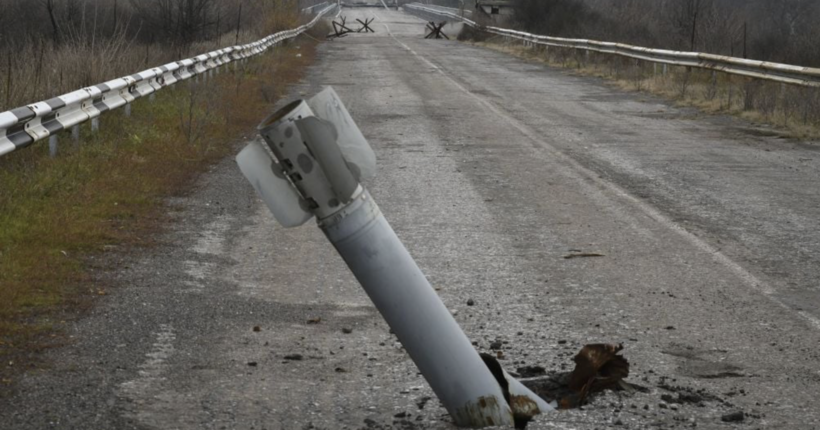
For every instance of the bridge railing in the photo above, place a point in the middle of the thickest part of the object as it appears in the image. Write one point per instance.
(778, 72)
(25, 125)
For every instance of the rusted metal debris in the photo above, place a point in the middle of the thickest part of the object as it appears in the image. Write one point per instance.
(523, 408)
(435, 30)
(598, 367)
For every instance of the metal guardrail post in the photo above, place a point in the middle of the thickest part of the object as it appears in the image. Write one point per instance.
(128, 110)
(53, 145)
(319, 156)
(95, 124)
(75, 133)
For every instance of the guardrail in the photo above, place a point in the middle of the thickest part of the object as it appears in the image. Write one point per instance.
(784, 73)
(460, 12)
(25, 125)
(310, 9)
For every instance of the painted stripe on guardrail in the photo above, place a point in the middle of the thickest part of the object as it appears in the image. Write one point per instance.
(25, 125)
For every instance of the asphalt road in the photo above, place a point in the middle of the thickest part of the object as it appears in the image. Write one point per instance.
(492, 170)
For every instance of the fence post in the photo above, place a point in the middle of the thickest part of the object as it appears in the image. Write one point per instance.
(95, 124)
(783, 103)
(75, 133)
(128, 109)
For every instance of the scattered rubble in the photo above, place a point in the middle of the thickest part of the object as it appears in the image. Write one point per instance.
(733, 417)
(422, 402)
(583, 255)
(531, 371)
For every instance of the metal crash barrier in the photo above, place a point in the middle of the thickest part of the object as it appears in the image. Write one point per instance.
(783, 73)
(21, 127)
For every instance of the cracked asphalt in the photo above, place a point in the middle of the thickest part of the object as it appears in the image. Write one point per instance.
(492, 170)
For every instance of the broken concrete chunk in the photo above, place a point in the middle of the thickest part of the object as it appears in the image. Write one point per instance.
(734, 417)
(422, 402)
(531, 371)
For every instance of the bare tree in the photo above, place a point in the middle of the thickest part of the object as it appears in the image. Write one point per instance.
(181, 21)
(556, 17)
(50, 8)
(682, 16)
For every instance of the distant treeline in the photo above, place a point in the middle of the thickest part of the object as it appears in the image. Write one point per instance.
(175, 22)
(50, 47)
(770, 30)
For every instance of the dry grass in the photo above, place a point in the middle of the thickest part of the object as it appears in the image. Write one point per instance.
(794, 111)
(39, 70)
(108, 190)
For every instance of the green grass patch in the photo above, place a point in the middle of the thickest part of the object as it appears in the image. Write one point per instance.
(108, 189)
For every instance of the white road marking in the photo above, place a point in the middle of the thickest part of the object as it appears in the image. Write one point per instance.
(151, 370)
(211, 241)
(745, 276)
